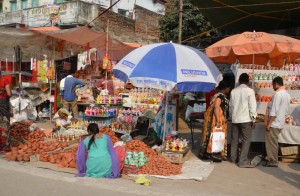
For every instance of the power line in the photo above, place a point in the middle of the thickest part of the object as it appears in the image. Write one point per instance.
(248, 5)
(242, 18)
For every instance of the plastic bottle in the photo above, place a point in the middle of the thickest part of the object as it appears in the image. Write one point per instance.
(256, 160)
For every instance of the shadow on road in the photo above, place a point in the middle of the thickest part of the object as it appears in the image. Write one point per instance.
(291, 177)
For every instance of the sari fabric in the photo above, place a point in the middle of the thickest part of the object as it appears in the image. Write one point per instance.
(210, 123)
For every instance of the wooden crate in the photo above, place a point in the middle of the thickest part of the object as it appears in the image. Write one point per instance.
(176, 156)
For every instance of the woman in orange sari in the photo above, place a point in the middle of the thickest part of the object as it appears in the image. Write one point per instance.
(215, 116)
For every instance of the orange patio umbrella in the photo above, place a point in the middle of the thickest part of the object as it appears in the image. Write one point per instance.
(255, 47)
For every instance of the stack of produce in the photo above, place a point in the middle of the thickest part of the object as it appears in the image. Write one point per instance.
(19, 132)
(156, 164)
(50, 151)
(36, 136)
(110, 133)
(61, 157)
(139, 146)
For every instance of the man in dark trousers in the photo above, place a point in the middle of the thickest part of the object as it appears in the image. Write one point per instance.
(70, 84)
(242, 107)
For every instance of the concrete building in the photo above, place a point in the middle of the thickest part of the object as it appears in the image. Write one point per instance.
(126, 7)
(130, 20)
(27, 11)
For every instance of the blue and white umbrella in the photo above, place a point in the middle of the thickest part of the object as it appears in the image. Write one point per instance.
(165, 65)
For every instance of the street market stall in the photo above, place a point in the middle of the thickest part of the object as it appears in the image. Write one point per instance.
(264, 56)
(141, 159)
(169, 67)
(262, 82)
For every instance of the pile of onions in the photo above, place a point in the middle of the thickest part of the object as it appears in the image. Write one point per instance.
(36, 145)
(156, 164)
(19, 132)
(36, 136)
(110, 133)
(139, 146)
(61, 158)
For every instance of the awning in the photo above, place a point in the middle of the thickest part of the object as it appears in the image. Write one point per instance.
(51, 28)
(134, 45)
(83, 36)
(36, 43)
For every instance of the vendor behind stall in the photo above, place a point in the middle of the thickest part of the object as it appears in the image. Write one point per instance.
(68, 87)
(109, 82)
(5, 93)
(62, 119)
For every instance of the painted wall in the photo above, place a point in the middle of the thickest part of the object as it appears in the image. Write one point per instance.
(143, 30)
(40, 16)
(7, 4)
(129, 5)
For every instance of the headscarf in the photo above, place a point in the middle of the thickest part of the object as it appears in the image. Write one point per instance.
(64, 111)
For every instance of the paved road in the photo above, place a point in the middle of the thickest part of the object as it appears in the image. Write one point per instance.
(21, 180)
(226, 179)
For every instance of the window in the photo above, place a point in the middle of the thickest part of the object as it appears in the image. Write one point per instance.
(13, 6)
(35, 3)
(24, 4)
(122, 12)
(1, 7)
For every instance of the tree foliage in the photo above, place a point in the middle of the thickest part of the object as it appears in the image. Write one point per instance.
(196, 29)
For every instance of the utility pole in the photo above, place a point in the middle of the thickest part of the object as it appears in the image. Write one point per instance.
(180, 5)
(180, 22)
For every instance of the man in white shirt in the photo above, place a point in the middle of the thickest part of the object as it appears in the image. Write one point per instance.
(277, 109)
(242, 107)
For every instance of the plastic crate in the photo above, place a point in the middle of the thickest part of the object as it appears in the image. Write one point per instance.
(130, 169)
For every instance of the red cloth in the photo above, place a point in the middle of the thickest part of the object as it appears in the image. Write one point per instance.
(3, 82)
(208, 97)
(55, 99)
(100, 83)
(120, 151)
(110, 85)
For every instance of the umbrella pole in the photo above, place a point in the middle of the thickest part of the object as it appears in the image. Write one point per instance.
(20, 77)
(106, 52)
(165, 120)
(253, 61)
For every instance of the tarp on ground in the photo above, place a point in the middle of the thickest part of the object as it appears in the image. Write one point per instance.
(192, 169)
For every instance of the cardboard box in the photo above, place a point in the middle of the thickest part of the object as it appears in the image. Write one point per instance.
(289, 150)
(290, 154)
(290, 159)
(176, 156)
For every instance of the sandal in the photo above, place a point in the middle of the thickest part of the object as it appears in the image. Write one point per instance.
(268, 164)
